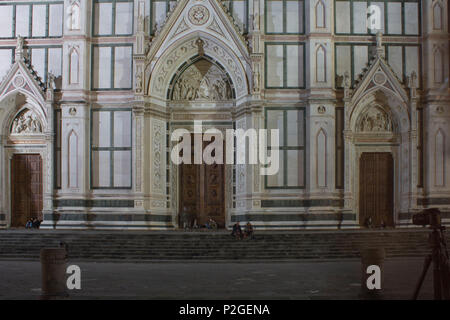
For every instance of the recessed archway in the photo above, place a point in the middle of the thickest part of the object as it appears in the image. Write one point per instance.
(378, 140)
(25, 157)
(201, 89)
(184, 52)
(201, 78)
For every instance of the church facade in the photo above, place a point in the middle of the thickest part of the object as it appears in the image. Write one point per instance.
(93, 91)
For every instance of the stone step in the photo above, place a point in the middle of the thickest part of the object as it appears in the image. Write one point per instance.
(171, 246)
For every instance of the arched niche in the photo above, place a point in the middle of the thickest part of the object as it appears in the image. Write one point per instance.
(74, 22)
(18, 108)
(384, 101)
(201, 79)
(437, 16)
(320, 14)
(321, 65)
(160, 73)
(438, 62)
(26, 122)
(375, 119)
(74, 66)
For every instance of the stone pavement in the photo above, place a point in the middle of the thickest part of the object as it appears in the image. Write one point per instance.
(219, 280)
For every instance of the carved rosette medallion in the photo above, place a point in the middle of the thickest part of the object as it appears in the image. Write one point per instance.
(198, 15)
(19, 81)
(379, 78)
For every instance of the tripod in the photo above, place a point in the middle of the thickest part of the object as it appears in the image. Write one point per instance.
(441, 268)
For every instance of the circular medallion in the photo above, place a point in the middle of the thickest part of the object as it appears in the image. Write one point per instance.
(19, 81)
(321, 109)
(198, 15)
(379, 78)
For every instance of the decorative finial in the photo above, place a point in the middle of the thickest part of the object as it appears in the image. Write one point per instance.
(379, 39)
(19, 48)
(380, 49)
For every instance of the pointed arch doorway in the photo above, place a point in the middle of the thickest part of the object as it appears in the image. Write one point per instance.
(25, 160)
(202, 90)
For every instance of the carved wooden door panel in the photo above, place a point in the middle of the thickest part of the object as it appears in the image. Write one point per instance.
(202, 191)
(26, 188)
(376, 200)
(189, 189)
(212, 196)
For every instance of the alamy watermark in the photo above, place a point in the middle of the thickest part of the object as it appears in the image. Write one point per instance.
(251, 147)
(374, 17)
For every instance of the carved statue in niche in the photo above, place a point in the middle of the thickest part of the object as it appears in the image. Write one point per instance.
(347, 80)
(256, 21)
(19, 45)
(375, 120)
(200, 44)
(202, 81)
(256, 79)
(51, 81)
(140, 23)
(26, 122)
(138, 79)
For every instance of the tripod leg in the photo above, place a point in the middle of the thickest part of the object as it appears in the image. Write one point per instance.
(426, 265)
(445, 276)
(437, 279)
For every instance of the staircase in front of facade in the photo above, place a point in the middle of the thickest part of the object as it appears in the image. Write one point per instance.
(135, 246)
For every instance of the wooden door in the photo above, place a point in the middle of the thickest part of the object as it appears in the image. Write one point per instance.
(376, 189)
(212, 198)
(26, 188)
(202, 192)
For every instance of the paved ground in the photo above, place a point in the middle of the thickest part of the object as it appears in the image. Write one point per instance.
(287, 280)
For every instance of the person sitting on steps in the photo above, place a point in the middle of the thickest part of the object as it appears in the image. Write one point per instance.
(211, 224)
(36, 223)
(249, 231)
(368, 222)
(237, 231)
(29, 224)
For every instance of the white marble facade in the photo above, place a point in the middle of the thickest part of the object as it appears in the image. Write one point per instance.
(97, 86)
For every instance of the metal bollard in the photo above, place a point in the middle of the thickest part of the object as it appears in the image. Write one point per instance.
(53, 268)
(371, 256)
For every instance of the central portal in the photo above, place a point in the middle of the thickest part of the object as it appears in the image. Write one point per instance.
(202, 192)
(201, 89)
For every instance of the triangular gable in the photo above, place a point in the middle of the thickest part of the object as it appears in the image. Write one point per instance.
(379, 75)
(22, 78)
(190, 16)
